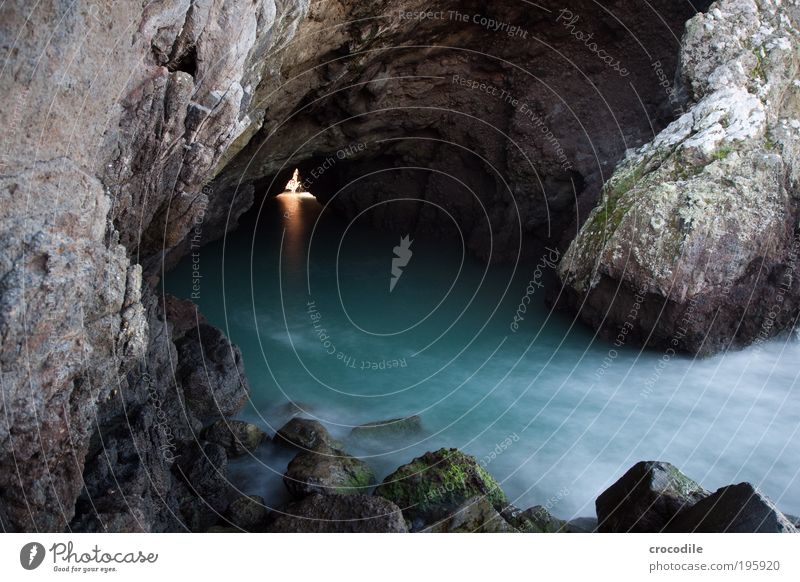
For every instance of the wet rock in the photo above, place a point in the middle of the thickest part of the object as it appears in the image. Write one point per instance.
(475, 515)
(205, 494)
(248, 513)
(646, 498)
(536, 519)
(733, 509)
(235, 436)
(306, 434)
(328, 472)
(581, 525)
(385, 429)
(211, 372)
(432, 487)
(793, 519)
(339, 514)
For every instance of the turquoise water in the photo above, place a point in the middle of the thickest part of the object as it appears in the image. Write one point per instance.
(555, 414)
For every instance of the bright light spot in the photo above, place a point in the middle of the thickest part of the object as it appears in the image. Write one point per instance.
(294, 187)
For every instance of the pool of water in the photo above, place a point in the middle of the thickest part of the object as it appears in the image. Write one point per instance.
(555, 413)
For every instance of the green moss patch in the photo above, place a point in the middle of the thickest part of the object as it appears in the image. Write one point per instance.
(433, 486)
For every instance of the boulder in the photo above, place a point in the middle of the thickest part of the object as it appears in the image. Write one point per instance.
(395, 428)
(733, 509)
(475, 515)
(205, 493)
(235, 436)
(306, 434)
(536, 519)
(328, 472)
(211, 372)
(339, 514)
(432, 487)
(581, 525)
(248, 513)
(646, 498)
(684, 219)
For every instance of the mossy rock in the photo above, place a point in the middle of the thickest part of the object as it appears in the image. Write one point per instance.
(475, 515)
(235, 436)
(327, 472)
(432, 487)
(339, 514)
(646, 498)
(394, 428)
(535, 519)
(307, 434)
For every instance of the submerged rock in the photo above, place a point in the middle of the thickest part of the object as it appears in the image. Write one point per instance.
(339, 514)
(646, 498)
(328, 472)
(432, 487)
(384, 429)
(307, 434)
(475, 515)
(733, 509)
(235, 436)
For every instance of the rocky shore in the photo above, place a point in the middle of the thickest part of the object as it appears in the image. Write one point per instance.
(447, 491)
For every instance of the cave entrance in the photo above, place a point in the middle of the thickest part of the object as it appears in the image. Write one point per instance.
(295, 185)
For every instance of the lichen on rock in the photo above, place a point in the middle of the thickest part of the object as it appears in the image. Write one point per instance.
(704, 214)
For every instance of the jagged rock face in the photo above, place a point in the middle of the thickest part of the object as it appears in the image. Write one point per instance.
(701, 225)
(496, 119)
(115, 116)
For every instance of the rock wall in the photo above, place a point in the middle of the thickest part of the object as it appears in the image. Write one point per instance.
(503, 115)
(115, 116)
